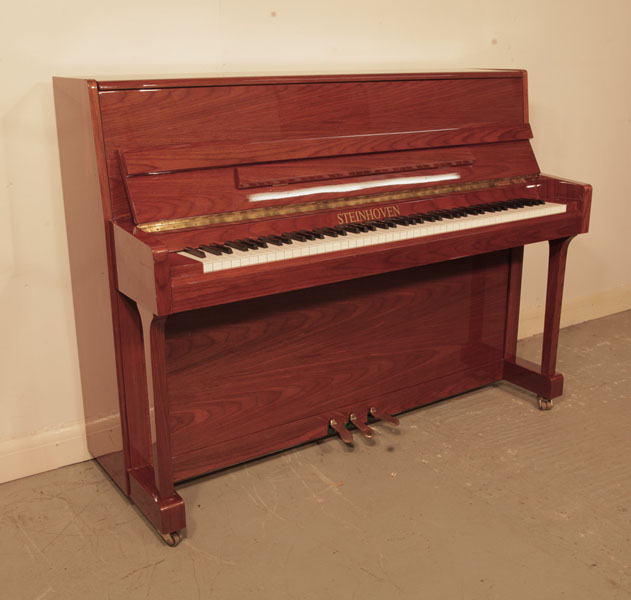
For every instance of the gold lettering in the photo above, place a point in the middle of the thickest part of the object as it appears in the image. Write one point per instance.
(368, 214)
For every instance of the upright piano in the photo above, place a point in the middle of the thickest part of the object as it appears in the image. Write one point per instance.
(261, 262)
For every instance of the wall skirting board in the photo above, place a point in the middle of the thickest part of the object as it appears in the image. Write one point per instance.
(577, 310)
(42, 451)
(46, 450)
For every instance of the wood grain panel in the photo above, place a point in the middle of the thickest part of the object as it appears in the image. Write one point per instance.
(237, 369)
(206, 155)
(198, 290)
(260, 443)
(261, 113)
(212, 191)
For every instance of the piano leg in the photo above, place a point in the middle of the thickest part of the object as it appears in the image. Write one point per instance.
(542, 380)
(554, 296)
(150, 469)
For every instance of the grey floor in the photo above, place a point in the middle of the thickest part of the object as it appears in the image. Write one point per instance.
(480, 496)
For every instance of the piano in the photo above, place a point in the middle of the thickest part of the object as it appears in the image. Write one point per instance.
(261, 262)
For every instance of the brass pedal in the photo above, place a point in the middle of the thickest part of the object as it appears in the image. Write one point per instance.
(366, 431)
(385, 417)
(345, 434)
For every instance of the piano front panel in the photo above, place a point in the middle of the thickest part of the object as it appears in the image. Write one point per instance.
(238, 369)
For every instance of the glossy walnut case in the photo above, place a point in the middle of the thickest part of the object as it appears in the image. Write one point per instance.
(185, 372)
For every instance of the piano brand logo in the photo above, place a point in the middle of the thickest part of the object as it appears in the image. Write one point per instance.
(368, 214)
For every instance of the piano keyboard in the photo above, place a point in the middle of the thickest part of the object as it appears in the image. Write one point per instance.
(234, 254)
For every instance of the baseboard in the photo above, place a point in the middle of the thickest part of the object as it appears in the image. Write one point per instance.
(577, 310)
(42, 451)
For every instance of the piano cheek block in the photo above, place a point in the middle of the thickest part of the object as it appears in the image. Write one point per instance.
(293, 258)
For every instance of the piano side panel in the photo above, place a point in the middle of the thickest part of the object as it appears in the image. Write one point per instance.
(251, 113)
(86, 212)
(236, 370)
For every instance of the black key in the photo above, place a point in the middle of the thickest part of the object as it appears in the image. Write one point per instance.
(359, 226)
(294, 235)
(352, 228)
(464, 211)
(250, 244)
(370, 225)
(194, 252)
(326, 231)
(340, 229)
(237, 245)
(418, 217)
(222, 248)
(400, 221)
(435, 215)
(211, 250)
(428, 217)
(471, 211)
(317, 234)
(259, 242)
(380, 224)
(271, 239)
(284, 238)
(307, 234)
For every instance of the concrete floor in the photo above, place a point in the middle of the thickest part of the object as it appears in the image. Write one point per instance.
(480, 496)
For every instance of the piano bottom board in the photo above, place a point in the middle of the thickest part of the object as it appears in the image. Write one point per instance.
(257, 376)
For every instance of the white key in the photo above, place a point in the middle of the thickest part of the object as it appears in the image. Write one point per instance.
(371, 238)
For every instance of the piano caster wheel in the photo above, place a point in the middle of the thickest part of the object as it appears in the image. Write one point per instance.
(172, 539)
(544, 403)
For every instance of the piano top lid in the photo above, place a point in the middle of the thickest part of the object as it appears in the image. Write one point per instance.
(138, 82)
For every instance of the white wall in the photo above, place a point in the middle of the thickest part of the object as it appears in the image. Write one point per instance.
(577, 53)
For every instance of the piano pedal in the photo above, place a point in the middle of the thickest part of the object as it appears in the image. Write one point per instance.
(345, 434)
(544, 403)
(366, 431)
(385, 417)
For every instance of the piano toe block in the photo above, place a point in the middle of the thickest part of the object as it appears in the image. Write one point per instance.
(528, 375)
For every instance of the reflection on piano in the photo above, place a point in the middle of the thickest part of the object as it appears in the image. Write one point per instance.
(261, 262)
